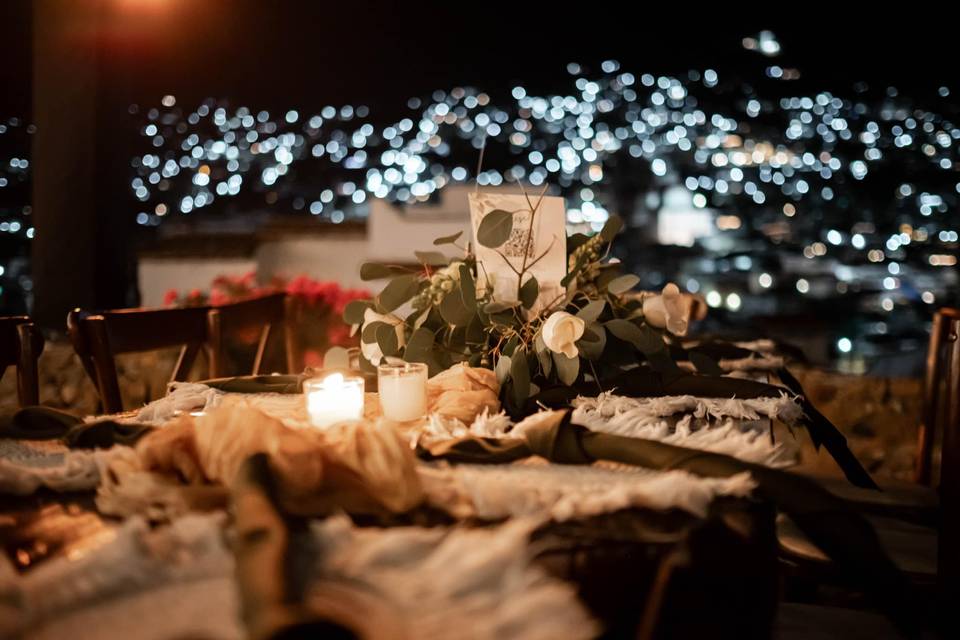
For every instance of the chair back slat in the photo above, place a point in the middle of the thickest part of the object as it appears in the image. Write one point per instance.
(948, 553)
(99, 336)
(21, 344)
(935, 393)
(265, 313)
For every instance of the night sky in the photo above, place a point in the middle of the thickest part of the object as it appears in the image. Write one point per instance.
(307, 54)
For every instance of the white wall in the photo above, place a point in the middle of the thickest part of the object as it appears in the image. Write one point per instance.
(157, 275)
(392, 235)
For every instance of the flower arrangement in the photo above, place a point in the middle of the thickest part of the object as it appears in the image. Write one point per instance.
(319, 316)
(439, 313)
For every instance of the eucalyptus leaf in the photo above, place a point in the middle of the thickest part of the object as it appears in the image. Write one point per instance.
(502, 369)
(448, 239)
(420, 319)
(520, 374)
(651, 340)
(387, 339)
(611, 227)
(495, 228)
(593, 350)
(592, 311)
(398, 291)
(353, 312)
(474, 333)
(420, 346)
(529, 292)
(510, 346)
(369, 333)
(623, 284)
(567, 368)
(625, 330)
(589, 335)
(468, 288)
(453, 310)
(497, 306)
(336, 358)
(543, 355)
(432, 258)
(376, 271)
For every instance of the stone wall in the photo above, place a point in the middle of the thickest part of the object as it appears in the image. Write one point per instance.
(879, 416)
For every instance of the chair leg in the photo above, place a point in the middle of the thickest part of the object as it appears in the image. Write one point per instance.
(104, 366)
(28, 383)
(215, 343)
(261, 348)
(294, 357)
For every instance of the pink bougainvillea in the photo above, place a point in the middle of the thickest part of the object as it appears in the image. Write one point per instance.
(318, 318)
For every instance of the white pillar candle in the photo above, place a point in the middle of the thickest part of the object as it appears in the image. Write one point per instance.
(403, 390)
(333, 399)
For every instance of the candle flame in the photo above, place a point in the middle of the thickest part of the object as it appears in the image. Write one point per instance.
(333, 380)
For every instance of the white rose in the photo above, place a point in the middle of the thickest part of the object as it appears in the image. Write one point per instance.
(371, 350)
(561, 332)
(670, 310)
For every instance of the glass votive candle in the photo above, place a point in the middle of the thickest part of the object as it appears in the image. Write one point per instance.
(334, 398)
(403, 390)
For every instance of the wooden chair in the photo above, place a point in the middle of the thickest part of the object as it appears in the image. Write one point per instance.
(264, 313)
(936, 391)
(21, 344)
(918, 526)
(99, 336)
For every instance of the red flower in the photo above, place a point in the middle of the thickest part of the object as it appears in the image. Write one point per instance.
(312, 358)
(219, 298)
(170, 297)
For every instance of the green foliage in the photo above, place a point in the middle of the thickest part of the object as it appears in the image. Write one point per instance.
(438, 314)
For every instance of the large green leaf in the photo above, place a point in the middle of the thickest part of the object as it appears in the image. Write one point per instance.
(520, 374)
(543, 355)
(611, 227)
(502, 369)
(454, 311)
(353, 312)
(398, 291)
(387, 339)
(497, 306)
(369, 333)
(592, 311)
(567, 368)
(651, 340)
(623, 284)
(626, 330)
(448, 239)
(474, 332)
(420, 346)
(376, 271)
(529, 292)
(495, 228)
(432, 258)
(468, 288)
(593, 349)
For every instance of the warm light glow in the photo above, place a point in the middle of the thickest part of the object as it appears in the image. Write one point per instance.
(334, 399)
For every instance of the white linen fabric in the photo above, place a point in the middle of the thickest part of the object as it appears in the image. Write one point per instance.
(177, 581)
(26, 466)
(565, 492)
(732, 426)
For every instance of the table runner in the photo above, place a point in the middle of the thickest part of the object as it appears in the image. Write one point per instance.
(430, 582)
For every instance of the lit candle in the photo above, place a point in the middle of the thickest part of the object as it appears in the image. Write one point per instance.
(403, 390)
(333, 399)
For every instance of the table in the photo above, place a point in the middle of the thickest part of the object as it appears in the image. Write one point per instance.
(637, 570)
